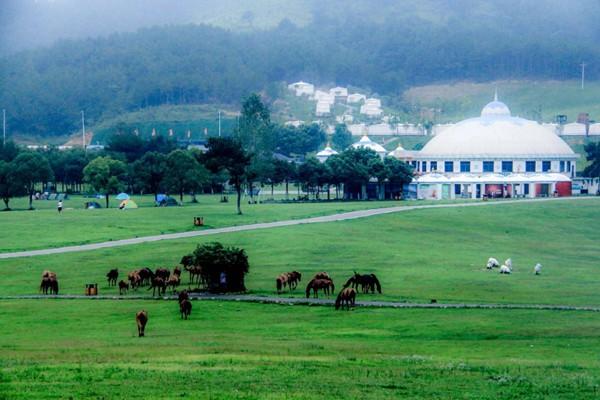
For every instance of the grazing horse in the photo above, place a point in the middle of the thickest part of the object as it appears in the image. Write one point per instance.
(183, 295)
(173, 282)
(185, 307)
(492, 263)
(316, 284)
(177, 271)
(281, 281)
(112, 277)
(123, 287)
(146, 276)
(141, 319)
(367, 282)
(293, 278)
(346, 296)
(158, 283)
(322, 275)
(135, 280)
(195, 272)
(162, 273)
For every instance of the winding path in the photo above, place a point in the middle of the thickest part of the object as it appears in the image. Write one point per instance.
(316, 302)
(268, 225)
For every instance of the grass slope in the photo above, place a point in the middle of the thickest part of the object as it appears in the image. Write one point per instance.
(89, 349)
(418, 255)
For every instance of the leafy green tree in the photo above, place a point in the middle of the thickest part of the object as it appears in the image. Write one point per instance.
(302, 140)
(229, 154)
(283, 171)
(9, 186)
(127, 144)
(254, 129)
(105, 175)
(29, 169)
(593, 156)
(313, 175)
(8, 151)
(342, 138)
(149, 172)
(216, 260)
(184, 173)
(355, 167)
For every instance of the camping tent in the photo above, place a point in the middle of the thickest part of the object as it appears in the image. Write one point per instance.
(162, 200)
(92, 204)
(128, 204)
(122, 196)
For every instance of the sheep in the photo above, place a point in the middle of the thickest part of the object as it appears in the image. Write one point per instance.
(492, 263)
(537, 269)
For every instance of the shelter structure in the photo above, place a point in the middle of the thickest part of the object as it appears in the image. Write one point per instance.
(367, 143)
(324, 154)
(493, 155)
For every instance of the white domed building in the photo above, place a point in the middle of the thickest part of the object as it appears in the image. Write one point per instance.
(493, 155)
(366, 143)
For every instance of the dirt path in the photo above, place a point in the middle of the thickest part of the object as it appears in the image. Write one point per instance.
(269, 225)
(316, 302)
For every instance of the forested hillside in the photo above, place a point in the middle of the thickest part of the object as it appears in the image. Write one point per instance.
(386, 49)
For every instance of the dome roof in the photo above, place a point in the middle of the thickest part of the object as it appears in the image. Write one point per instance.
(326, 152)
(367, 143)
(496, 134)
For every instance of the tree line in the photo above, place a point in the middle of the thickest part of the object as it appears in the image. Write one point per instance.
(44, 90)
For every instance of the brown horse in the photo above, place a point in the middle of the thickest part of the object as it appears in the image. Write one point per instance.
(368, 283)
(173, 282)
(316, 284)
(281, 281)
(195, 273)
(141, 319)
(177, 271)
(123, 287)
(183, 295)
(293, 278)
(346, 297)
(162, 273)
(322, 275)
(135, 280)
(112, 277)
(158, 283)
(185, 307)
(49, 284)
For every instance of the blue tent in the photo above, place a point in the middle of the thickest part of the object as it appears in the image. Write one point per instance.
(123, 196)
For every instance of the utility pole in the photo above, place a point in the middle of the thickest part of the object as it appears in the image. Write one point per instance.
(3, 127)
(83, 130)
(219, 123)
(582, 75)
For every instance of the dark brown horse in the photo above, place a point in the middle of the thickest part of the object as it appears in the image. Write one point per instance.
(158, 283)
(49, 285)
(123, 287)
(281, 281)
(112, 277)
(293, 278)
(368, 283)
(322, 275)
(146, 276)
(185, 307)
(173, 282)
(141, 319)
(163, 273)
(177, 271)
(319, 284)
(346, 297)
(183, 295)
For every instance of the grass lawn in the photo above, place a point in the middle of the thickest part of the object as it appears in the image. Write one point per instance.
(44, 227)
(90, 349)
(418, 255)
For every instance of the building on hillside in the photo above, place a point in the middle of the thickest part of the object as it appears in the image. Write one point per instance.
(295, 123)
(371, 108)
(373, 102)
(366, 143)
(573, 129)
(321, 96)
(323, 108)
(345, 118)
(355, 98)
(324, 154)
(302, 88)
(339, 93)
(493, 155)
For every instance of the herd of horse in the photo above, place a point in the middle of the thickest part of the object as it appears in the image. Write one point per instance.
(158, 280)
(49, 284)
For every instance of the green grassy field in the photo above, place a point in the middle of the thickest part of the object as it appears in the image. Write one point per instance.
(44, 227)
(418, 255)
(89, 348)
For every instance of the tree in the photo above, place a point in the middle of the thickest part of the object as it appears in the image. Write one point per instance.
(283, 171)
(150, 171)
(342, 138)
(8, 151)
(184, 173)
(29, 169)
(254, 129)
(9, 187)
(313, 174)
(354, 167)
(302, 140)
(228, 154)
(593, 157)
(105, 175)
(216, 260)
(127, 144)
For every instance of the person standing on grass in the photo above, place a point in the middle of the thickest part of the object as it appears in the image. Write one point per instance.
(59, 206)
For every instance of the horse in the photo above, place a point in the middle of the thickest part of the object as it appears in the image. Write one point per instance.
(281, 281)
(141, 319)
(346, 296)
(194, 271)
(316, 284)
(177, 271)
(123, 286)
(367, 282)
(537, 269)
(492, 263)
(158, 283)
(135, 280)
(505, 269)
(49, 284)
(146, 276)
(173, 282)
(185, 307)
(48, 274)
(112, 277)
(293, 278)
(322, 275)
(183, 295)
(162, 273)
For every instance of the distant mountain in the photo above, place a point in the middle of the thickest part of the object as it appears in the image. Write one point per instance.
(385, 46)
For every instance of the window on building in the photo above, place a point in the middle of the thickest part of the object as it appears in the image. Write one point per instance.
(546, 166)
(433, 166)
(526, 189)
(448, 166)
(529, 166)
(569, 167)
(562, 166)
(507, 166)
(488, 166)
(465, 166)
(423, 166)
(413, 164)
(456, 189)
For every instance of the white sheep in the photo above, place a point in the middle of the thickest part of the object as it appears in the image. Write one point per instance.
(508, 263)
(537, 269)
(505, 269)
(492, 263)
